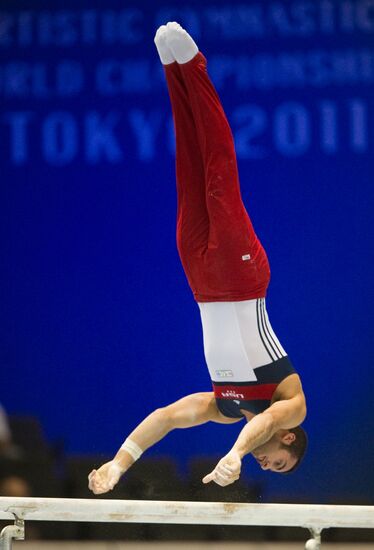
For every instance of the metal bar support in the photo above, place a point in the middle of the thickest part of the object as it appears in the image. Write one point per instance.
(315, 542)
(10, 532)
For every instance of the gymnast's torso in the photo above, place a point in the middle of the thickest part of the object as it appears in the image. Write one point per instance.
(246, 361)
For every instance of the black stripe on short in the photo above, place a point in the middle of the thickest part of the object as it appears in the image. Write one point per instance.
(261, 331)
(270, 337)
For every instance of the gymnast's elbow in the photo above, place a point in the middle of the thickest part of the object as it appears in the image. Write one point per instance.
(164, 420)
(269, 423)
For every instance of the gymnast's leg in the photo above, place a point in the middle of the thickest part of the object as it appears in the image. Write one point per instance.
(192, 215)
(235, 264)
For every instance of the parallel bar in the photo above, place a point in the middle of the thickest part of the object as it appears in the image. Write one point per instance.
(208, 513)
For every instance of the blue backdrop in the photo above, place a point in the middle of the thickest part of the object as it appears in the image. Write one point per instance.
(98, 325)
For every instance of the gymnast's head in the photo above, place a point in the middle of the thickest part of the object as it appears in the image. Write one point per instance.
(284, 452)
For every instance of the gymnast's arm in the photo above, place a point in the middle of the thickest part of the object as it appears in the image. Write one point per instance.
(285, 414)
(189, 411)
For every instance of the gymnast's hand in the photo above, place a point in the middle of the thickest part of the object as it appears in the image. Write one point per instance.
(227, 470)
(105, 478)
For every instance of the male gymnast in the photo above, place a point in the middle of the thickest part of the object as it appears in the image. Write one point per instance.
(228, 272)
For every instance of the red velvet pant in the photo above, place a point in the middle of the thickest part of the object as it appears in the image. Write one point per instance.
(220, 252)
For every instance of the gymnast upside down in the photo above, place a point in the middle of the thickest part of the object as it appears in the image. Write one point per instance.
(228, 272)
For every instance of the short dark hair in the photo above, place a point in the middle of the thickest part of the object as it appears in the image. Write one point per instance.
(297, 448)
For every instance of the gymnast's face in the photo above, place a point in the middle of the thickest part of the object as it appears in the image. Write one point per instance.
(274, 455)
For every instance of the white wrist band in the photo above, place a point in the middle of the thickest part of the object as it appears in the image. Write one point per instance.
(132, 448)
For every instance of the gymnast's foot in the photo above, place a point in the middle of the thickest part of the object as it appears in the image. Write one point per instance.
(162, 48)
(180, 43)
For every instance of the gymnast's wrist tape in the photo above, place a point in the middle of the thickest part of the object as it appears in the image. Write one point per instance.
(132, 448)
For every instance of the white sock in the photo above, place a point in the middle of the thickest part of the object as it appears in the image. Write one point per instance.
(162, 48)
(180, 43)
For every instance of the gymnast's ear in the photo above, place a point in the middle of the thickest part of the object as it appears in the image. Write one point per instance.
(288, 438)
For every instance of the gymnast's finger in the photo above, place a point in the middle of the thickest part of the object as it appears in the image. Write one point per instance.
(221, 482)
(224, 470)
(91, 479)
(209, 478)
(222, 479)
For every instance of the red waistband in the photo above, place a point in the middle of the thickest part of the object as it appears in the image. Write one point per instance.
(247, 393)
